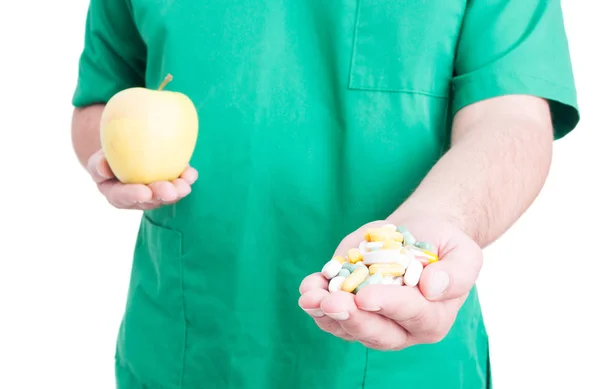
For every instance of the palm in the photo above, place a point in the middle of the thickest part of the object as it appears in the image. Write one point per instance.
(392, 317)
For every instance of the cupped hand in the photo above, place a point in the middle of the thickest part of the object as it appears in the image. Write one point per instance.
(393, 317)
(138, 196)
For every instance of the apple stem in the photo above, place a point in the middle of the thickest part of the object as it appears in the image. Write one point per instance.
(167, 80)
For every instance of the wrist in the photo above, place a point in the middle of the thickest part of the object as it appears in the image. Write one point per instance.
(416, 209)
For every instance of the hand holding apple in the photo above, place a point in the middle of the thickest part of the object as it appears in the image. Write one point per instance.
(148, 138)
(138, 196)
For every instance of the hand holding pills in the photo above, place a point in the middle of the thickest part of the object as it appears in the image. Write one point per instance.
(386, 288)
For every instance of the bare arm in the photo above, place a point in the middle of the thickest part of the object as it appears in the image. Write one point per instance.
(499, 160)
(85, 131)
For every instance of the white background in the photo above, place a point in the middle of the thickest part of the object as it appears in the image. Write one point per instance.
(65, 255)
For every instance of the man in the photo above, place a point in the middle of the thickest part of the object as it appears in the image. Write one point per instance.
(317, 120)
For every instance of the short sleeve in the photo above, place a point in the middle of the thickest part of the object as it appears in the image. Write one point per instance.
(516, 47)
(113, 56)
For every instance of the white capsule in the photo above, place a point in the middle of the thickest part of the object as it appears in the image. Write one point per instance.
(331, 269)
(389, 227)
(335, 285)
(413, 272)
(381, 256)
(372, 246)
(362, 247)
(406, 257)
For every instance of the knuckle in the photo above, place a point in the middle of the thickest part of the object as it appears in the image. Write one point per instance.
(435, 335)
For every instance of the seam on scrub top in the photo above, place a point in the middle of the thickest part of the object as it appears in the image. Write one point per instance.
(475, 77)
(408, 91)
(354, 39)
(364, 383)
(183, 310)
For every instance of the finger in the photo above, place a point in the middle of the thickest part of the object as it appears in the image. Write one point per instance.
(98, 167)
(189, 175)
(454, 275)
(369, 328)
(313, 281)
(424, 320)
(310, 302)
(125, 196)
(164, 191)
(182, 187)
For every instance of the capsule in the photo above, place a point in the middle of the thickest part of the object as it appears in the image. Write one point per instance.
(387, 269)
(344, 273)
(391, 245)
(335, 285)
(383, 234)
(425, 257)
(385, 256)
(371, 280)
(352, 267)
(340, 259)
(354, 255)
(413, 273)
(424, 246)
(354, 279)
(373, 246)
(331, 269)
(409, 239)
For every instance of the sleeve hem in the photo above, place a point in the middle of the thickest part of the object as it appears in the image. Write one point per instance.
(471, 88)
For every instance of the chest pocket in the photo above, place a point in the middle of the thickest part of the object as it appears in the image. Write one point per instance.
(405, 45)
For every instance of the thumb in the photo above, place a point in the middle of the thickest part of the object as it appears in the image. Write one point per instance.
(454, 275)
(98, 167)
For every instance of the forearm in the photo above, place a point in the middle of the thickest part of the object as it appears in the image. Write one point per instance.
(85, 131)
(494, 170)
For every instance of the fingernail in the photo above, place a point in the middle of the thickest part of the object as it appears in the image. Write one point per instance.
(439, 284)
(316, 312)
(339, 316)
(98, 170)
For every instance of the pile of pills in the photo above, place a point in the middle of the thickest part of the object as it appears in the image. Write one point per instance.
(387, 255)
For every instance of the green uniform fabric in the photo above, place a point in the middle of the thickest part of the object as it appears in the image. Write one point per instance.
(315, 118)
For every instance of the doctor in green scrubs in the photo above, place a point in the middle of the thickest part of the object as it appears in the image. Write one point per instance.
(317, 119)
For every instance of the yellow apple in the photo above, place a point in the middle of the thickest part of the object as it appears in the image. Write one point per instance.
(148, 135)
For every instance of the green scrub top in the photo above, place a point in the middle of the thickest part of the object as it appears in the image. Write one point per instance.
(315, 118)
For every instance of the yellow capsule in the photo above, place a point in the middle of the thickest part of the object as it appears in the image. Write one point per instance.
(398, 236)
(381, 235)
(391, 245)
(355, 279)
(354, 255)
(367, 235)
(432, 257)
(387, 269)
(340, 259)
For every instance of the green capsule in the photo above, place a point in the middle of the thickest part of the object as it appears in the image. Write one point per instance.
(401, 229)
(424, 246)
(344, 273)
(371, 280)
(351, 266)
(409, 239)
